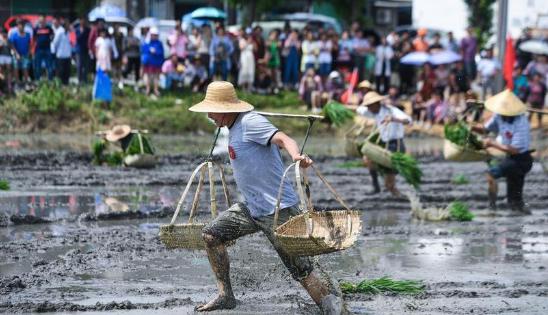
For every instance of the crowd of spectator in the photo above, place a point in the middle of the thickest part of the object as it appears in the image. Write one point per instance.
(315, 62)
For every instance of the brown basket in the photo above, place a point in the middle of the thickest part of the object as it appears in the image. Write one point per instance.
(189, 235)
(312, 232)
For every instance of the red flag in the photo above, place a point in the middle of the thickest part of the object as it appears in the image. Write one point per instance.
(509, 61)
(353, 81)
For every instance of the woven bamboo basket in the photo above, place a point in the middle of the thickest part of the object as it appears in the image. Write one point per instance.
(454, 152)
(189, 235)
(377, 154)
(312, 232)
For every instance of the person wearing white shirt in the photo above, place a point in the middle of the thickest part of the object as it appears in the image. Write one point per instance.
(325, 58)
(389, 121)
(383, 57)
(488, 67)
(61, 48)
(105, 50)
(310, 50)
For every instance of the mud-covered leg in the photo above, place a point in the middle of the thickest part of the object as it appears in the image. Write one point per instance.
(374, 175)
(390, 184)
(218, 258)
(492, 191)
(325, 292)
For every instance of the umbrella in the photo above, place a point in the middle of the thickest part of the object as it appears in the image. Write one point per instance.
(104, 11)
(208, 13)
(443, 57)
(147, 22)
(415, 58)
(535, 46)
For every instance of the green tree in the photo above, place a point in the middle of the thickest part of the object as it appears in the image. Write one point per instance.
(480, 17)
(253, 9)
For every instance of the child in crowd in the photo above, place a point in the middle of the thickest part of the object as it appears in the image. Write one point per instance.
(310, 90)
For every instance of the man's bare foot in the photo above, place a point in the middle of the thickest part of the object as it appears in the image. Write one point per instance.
(220, 302)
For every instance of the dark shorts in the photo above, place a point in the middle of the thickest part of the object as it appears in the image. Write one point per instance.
(237, 222)
(511, 166)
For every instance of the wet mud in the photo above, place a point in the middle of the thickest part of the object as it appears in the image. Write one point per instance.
(64, 249)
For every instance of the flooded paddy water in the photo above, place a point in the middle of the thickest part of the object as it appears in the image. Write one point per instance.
(82, 253)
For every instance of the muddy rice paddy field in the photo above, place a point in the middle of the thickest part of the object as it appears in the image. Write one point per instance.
(63, 249)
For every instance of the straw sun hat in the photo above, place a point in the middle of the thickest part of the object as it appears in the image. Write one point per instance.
(365, 84)
(221, 98)
(118, 132)
(505, 103)
(371, 98)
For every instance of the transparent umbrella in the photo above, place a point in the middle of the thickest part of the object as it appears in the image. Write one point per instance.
(535, 46)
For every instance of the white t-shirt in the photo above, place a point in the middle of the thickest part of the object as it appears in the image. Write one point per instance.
(488, 67)
(309, 49)
(257, 165)
(325, 51)
(391, 130)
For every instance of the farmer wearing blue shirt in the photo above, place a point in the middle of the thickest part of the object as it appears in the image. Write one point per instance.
(254, 151)
(43, 36)
(20, 42)
(152, 58)
(220, 50)
(511, 125)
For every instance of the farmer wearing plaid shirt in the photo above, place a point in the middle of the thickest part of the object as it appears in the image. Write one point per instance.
(511, 125)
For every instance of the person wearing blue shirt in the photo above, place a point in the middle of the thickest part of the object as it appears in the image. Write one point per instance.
(20, 43)
(220, 50)
(43, 36)
(152, 58)
(511, 125)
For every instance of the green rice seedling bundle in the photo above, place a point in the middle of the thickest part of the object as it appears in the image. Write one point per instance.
(460, 134)
(337, 114)
(384, 285)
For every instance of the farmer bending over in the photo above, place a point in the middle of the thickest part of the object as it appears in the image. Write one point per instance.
(389, 122)
(253, 147)
(512, 128)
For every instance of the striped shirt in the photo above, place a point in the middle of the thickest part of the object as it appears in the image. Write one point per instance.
(515, 133)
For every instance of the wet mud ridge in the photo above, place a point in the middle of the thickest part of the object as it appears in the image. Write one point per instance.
(64, 250)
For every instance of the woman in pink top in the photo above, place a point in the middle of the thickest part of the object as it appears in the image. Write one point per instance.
(177, 43)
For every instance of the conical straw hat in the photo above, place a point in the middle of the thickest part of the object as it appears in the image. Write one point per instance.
(221, 98)
(118, 132)
(505, 103)
(372, 98)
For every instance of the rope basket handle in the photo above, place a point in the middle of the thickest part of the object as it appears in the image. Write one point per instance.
(185, 192)
(303, 203)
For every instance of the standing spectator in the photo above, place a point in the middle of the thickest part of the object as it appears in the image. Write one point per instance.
(537, 94)
(43, 35)
(246, 76)
(310, 51)
(310, 90)
(383, 56)
(105, 49)
(325, 58)
(360, 49)
(406, 72)
(442, 78)
(452, 44)
(62, 50)
(5, 59)
(420, 43)
(220, 51)
(152, 54)
(260, 46)
(291, 52)
(436, 45)
(427, 82)
(469, 48)
(118, 39)
(177, 42)
(194, 40)
(132, 55)
(521, 84)
(344, 56)
(82, 50)
(524, 57)
(273, 57)
(204, 45)
(20, 41)
(98, 25)
(488, 67)
(538, 65)
(458, 85)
